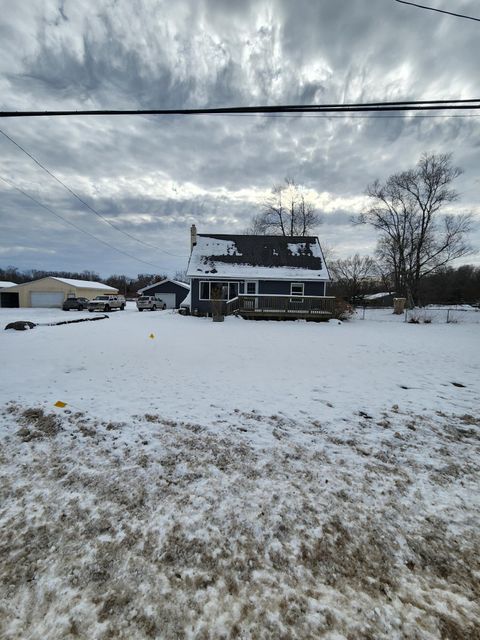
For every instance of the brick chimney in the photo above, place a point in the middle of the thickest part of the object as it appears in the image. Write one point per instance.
(193, 236)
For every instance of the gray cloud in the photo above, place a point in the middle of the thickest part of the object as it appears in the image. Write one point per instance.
(154, 176)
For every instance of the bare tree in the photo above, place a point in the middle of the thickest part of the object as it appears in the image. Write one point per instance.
(286, 212)
(181, 276)
(354, 276)
(416, 237)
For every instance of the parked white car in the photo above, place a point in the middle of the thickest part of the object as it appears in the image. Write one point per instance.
(151, 303)
(107, 303)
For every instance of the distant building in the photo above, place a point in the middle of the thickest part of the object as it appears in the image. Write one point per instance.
(51, 292)
(382, 299)
(171, 292)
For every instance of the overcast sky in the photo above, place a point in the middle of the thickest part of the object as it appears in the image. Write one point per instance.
(154, 176)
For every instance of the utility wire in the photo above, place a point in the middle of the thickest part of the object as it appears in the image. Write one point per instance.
(353, 117)
(125, 233)
(450, 13)
(411, 105)
(72, 224)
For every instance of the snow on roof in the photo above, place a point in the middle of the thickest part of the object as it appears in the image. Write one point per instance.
(301, 249)
(181, 284)
(376, 296)
(265, 257)
(155, 284)
(188, 300)
(5, 283)
(86, 284)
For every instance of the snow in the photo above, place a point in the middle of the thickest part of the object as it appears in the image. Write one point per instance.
(377, 296)
(155, 284)
(85, 284)
(288, 479)
(188, 301)
(298, 249)
(6, 283)
(212, 247)
(185, 285)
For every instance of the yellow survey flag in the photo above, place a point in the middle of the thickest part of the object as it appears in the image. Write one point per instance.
(151, 336)
(60, 404)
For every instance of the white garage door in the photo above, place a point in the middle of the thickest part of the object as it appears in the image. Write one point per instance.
(167, 298)
(46, 298)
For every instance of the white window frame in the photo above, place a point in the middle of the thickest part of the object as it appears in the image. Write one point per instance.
(200, 289)
(297, 284)
(221, 282)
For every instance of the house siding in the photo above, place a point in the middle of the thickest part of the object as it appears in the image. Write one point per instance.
(279, 287)
(169, 287)
(282, 287)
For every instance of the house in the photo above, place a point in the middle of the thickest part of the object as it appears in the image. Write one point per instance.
(171, 292)
(51, 292)
(258, 276)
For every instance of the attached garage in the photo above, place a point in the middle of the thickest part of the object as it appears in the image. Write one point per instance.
(51, 292)
(171, 292)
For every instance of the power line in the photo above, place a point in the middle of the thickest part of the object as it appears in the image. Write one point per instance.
(450, 13)
(372, 107)
(125, 233)
(40, 204)
(353, 117)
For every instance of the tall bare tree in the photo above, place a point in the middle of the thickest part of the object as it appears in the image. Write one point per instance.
(353, 276)
(416, 236)
(287, 212)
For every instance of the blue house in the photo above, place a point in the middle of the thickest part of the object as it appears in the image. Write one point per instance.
(258, 276)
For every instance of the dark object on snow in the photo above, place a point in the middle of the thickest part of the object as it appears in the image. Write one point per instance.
(55, 324)
(23, 325)
(365, 415)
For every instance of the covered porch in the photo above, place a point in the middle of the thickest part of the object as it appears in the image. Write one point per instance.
(281, 307)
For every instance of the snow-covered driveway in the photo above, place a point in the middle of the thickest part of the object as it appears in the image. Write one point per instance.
(238, 479)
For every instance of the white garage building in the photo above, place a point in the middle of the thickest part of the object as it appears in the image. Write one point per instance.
(51, 292)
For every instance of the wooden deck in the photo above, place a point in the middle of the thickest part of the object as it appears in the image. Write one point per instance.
(280, 307)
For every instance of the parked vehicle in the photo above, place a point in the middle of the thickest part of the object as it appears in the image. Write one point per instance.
(107, 303)
(151, 303)
(79, 304)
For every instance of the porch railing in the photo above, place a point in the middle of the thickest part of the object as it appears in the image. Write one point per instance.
(281, 305)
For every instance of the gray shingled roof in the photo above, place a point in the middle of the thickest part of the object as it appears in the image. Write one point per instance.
(270, 257)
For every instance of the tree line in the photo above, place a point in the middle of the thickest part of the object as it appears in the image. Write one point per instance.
(126, 285)
(356, 277)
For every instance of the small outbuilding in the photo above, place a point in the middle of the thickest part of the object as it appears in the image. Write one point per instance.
(171, 292)
(381, 299)
(51, 292)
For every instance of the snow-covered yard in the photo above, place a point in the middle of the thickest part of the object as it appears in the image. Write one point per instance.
(240, 479)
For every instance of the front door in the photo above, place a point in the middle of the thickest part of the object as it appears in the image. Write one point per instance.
(251, 288)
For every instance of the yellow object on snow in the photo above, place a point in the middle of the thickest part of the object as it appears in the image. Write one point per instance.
(60, 404)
